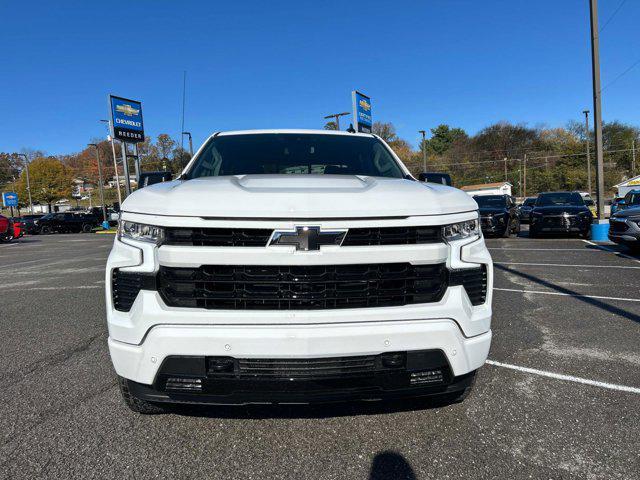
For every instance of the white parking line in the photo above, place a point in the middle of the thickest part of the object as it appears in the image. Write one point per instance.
(568, 378)
(568, 294)
(566, 265)
(607, 249)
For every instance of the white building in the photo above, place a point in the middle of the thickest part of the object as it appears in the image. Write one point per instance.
(628, 185)
(499, 188)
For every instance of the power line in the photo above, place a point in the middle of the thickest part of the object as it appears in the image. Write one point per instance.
(621, 75)
(612, 15)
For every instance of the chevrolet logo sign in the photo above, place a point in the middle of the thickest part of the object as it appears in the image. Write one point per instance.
(307, 238)
(128, 110)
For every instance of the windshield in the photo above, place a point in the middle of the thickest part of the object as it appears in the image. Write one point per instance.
(632, 198)
(490, 201)
(560, 199)
(288, 153)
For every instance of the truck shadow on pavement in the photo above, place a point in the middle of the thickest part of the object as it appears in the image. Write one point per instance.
(590, 301)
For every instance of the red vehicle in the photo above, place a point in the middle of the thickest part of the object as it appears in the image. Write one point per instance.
(9, 229)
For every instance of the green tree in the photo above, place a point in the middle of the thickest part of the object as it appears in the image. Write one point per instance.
(442, 138)
(50, 180)
(331, 126)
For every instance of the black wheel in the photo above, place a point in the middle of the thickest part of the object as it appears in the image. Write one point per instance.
(532, 233)
(45, 230)
(586, 235)
(86, 228)
(136, 404)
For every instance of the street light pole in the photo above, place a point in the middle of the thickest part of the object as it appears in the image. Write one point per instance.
(190, 142)
(26, 163)
(337, 117)
(586, 126)
(597, 107)
(115, 160)
(424, 149)
(105, 222)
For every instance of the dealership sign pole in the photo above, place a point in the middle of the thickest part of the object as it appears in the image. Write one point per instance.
(128, 127)
(361, 112)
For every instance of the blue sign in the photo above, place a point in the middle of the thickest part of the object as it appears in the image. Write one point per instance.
(362, 112)
(126, 119)
(10, 199)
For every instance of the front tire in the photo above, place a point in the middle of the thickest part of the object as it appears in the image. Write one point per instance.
(45, 230)
(136, 404)
(86, 228)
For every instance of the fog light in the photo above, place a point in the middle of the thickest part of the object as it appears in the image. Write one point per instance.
(393, 360)
(184, 384)
(427, 377)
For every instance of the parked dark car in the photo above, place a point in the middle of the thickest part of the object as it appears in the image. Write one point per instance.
(67, 222)
(525, 209)
(28, 223)
(498, 215)
(624, 228)
(560, 212)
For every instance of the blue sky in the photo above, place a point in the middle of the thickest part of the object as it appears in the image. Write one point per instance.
(257, 64)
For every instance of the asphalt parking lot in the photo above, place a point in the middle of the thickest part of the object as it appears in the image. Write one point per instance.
(559, 399)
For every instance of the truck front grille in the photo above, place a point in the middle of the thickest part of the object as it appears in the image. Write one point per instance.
(302, 287)
(259, 237)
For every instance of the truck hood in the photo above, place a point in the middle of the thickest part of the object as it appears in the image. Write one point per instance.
(297, 196)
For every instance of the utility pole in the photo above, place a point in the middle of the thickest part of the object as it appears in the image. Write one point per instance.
(505, 169)
(105, 223)
(586, 126)
(633, 157)
(190, 142)
(26, 163)
(524, 176)
(597, 108)
(424, 150)
(115, 160)
(337, 117)
(520, 177)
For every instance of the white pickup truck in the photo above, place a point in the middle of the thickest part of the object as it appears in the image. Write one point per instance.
(297, 266)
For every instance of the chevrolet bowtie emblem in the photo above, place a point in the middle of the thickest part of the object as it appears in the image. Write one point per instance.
(127, 110)
(307, 238)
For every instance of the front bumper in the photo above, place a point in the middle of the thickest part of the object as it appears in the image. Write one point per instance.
(141, 339)
(560, 224)
(624, 233)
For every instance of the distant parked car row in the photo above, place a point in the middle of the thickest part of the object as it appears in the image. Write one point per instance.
(550, 212)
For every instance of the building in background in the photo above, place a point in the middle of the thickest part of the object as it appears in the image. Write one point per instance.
(627, 186)
(499, 188)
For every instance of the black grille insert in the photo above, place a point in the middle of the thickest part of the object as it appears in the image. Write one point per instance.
(125, 287)
(218, 237)
(259, 237)
(474, 281)
(302, 287)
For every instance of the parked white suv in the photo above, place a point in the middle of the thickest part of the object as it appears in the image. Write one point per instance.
(293, 266)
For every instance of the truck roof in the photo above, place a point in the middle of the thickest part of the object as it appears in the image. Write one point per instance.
(294, 131)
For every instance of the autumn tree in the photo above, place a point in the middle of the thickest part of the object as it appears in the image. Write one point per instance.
(50, 180)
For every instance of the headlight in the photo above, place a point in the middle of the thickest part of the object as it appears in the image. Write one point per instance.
(140, 232)
(460, 230)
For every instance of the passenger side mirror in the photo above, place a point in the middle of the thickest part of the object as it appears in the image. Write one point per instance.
(441, 178)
